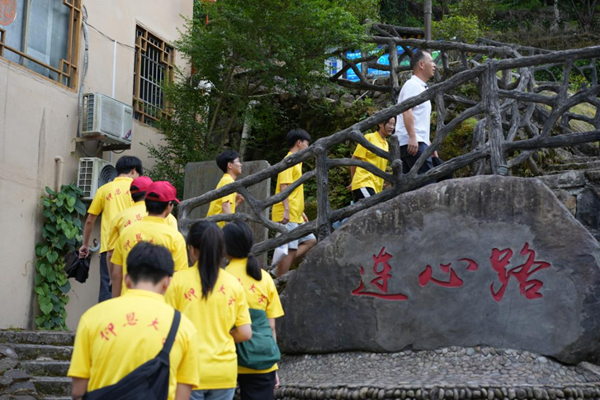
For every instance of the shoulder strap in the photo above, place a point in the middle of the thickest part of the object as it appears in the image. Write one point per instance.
(172, 333)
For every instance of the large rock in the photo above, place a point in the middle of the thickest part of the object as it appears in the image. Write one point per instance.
(480, 261)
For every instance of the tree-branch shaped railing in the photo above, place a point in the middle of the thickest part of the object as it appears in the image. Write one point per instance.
(509, 99)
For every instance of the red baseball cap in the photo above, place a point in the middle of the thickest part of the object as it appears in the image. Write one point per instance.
(161, 191)
(140, 184)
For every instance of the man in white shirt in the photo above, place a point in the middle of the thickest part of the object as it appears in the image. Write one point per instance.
(412, 127)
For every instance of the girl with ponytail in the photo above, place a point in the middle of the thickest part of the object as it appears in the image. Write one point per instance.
(257, 359)
(214, 301)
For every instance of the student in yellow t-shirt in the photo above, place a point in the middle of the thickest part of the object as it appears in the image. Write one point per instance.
(262, 297)
(117, 336)
(290, 212)
(214, 301)
(364, 183)
(134, 214)
(110, 199)
(229, 162)
(154, 228)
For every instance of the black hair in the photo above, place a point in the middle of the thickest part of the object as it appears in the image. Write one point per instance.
(385, 122)
(156, 207)
(417, 56)
(139, 196)
(225, 158)
(207, 238)
(238, 243)
(294, 135)
(149, 262)
(128, 163)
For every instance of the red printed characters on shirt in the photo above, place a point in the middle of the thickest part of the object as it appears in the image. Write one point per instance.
(189, 294)
(222, 289)
(154, 324)
(106, 332)
(131, 320)
(381, 281)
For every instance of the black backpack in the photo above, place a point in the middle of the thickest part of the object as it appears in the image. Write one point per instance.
(149, 381)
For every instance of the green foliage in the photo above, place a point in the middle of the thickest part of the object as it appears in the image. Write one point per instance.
(248, 52)
(456, 27)
(399, 12)
(483, 10)
(530, 5)
(61, 234)
(459, 142)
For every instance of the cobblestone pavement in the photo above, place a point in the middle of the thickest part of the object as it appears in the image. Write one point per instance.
(465, 373)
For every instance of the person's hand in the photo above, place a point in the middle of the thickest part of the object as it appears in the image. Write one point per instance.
(413, 146)
(304, 217)
(239, 199)
(84, 251)
(349, 187)
(435, 154)
(276, 380)
(286, 217)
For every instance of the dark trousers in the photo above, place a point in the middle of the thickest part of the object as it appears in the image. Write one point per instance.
(408, 161)
(257, 386)
(105, 290)
(362, 193)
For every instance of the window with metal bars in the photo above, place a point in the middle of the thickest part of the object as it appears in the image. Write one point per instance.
(43, 36)
(154, 61)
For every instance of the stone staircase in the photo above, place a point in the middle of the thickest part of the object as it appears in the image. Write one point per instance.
(33, 365)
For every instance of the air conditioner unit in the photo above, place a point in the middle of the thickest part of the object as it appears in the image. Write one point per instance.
(103, 115)
(93, 173)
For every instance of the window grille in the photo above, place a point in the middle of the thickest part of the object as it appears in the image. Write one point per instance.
(43, 37)
(154, 61)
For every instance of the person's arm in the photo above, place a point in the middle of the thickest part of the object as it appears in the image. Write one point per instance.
(409, 124)
(183, 392)
(239, 199)
(79, 388)
(226, 207)
(117, 280)
(84, 250)
(286, 205)
(272, 325)
(241, 333)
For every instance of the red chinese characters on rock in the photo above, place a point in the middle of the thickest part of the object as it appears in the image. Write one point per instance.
(454, 281)
(529, 287)
(499, 260)
(381, 281)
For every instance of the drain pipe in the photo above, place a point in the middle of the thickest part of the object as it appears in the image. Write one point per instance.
(60, 163)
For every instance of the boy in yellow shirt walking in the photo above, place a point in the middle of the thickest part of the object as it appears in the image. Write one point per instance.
(229, 162)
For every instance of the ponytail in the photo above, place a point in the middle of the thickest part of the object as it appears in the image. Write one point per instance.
(238, 243)
(207, 238)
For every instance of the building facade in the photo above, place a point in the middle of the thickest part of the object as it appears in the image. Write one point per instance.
(45, 47)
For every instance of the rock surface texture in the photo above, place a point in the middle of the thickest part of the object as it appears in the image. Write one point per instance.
(494, 261)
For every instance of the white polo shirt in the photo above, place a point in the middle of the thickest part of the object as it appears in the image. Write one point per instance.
(422, 112)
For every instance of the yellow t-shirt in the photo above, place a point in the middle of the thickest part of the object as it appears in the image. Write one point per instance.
(296, 198)
(216, 206)
(117, 336)
(213, 317)
(110, 199)
(261, 295)
(130, 216)
(154, 230)
(362, 177)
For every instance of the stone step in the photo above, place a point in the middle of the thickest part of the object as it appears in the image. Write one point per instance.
(45, 368)
(574, 165)
(52, 386)
(37, 337)
(42, 352)
(577, 159)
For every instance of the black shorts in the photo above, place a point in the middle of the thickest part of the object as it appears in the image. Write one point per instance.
(362, 193)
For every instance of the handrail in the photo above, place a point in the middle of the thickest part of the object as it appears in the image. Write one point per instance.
(506, 111)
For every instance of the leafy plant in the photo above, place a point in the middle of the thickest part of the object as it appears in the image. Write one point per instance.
(61, 234)
(457, 27)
